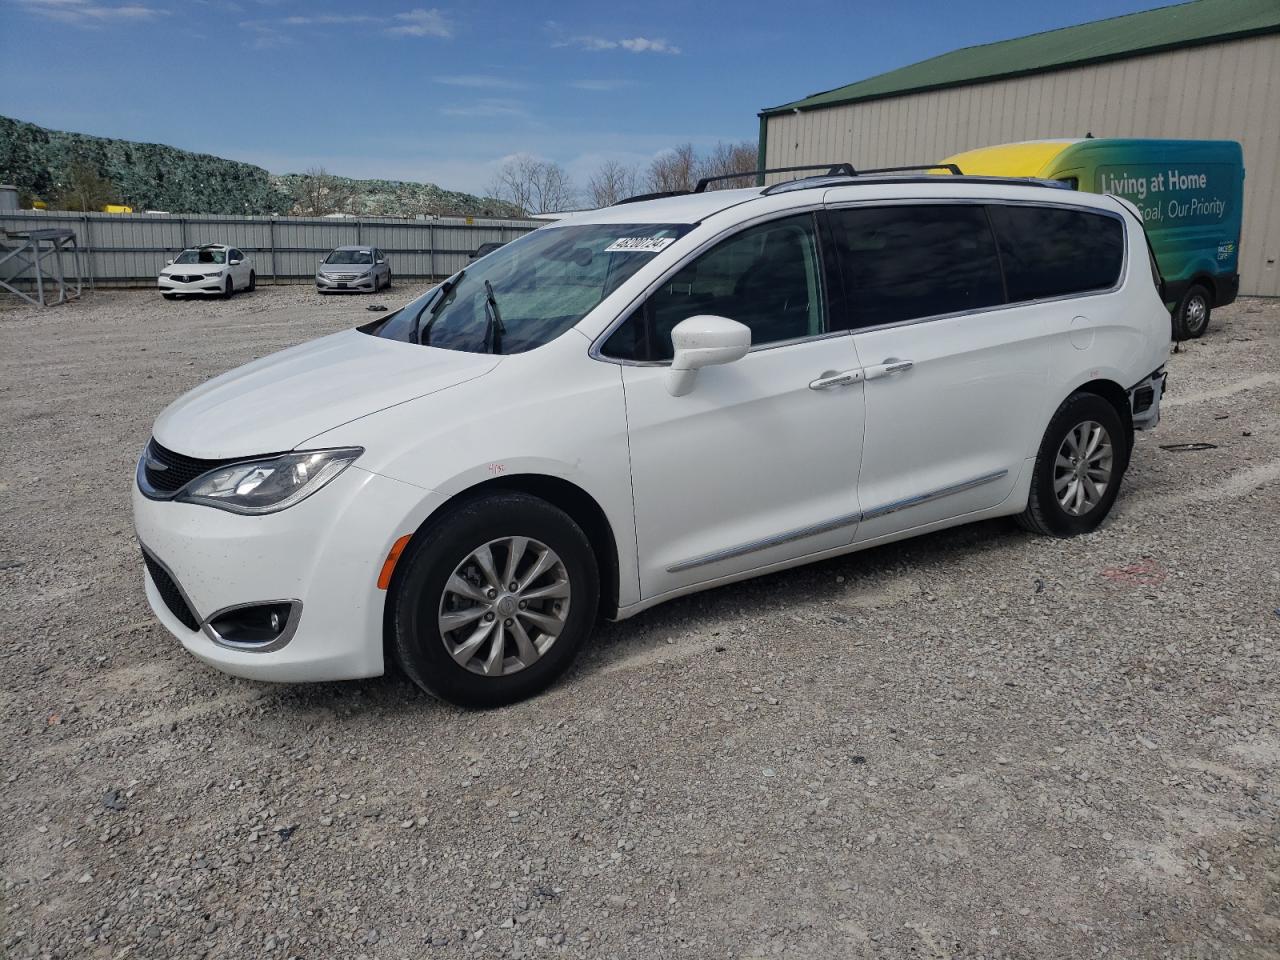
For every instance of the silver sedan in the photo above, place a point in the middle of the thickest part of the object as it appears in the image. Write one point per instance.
(354, 268)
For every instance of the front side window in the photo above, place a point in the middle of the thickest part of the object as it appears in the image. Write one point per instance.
(767, 277)
(1053, 251)
(917, 260)
(529, 291)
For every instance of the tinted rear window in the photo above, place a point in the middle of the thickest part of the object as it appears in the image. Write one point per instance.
(918, 260)
(1052, 252)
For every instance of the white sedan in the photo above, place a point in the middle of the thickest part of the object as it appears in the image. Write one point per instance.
(645, 401)
(214, 269)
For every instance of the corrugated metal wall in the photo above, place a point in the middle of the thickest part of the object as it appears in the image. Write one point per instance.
(1227, 91)
(131, 249)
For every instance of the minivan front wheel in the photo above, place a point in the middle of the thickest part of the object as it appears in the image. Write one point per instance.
(1191, 318)
(1079, 465)
(494, 601)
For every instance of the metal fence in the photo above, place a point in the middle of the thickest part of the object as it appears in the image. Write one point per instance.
(131, 249)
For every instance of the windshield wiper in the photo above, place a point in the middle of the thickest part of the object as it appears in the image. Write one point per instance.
(493, 328)
(421, 334)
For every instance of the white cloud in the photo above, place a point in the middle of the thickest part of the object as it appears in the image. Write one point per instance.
(85, 13)
(422, 23)
(645, 45)
(634, 44)
(480, 81)
(489, 107)
(599, 86)
(328, 18)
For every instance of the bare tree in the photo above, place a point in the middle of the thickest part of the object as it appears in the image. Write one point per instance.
(320, 193)
(533, 185)
(614, 181)
(673, 170)
(726, 159)
(84, 189)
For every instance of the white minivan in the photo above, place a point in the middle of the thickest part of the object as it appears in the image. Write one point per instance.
(645, 401)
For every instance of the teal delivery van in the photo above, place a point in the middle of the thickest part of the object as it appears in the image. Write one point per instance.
(1190, 194)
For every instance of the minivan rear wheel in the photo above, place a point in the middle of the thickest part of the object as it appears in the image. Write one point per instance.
(1078, 469)
(1191, 318)
(493, 600)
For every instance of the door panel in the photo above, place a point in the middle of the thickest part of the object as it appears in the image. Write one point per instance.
(953, 376)
(753, 462)
(967, 411)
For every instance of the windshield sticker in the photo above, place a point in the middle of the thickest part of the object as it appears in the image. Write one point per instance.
(639, 244)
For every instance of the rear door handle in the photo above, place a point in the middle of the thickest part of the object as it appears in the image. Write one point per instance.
(887, 369)
(835, 379)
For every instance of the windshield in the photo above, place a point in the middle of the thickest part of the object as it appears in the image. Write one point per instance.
(202, 256)
(531, 290)
(349, 256)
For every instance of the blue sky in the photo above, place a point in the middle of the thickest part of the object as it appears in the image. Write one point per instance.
(443, 93)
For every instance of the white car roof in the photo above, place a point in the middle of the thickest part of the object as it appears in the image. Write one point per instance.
(696, 207)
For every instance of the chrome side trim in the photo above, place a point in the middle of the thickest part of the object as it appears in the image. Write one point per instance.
(774, 541)
(290, 627)
(920, 498)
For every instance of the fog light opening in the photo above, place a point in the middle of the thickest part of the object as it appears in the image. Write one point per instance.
(253, 625)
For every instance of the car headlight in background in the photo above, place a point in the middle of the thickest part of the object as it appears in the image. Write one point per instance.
(270, 484)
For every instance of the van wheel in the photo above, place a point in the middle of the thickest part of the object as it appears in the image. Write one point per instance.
(1081, 461)
(493, 601)
(1191, 318)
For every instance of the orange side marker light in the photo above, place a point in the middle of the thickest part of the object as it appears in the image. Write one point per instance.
(389, 565)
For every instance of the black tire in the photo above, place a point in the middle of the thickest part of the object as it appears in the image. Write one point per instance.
(388, 284)
(253, 281)
(169, 296)
(418, 588)
(1191, 318)
(228, 290)
(1045, 514)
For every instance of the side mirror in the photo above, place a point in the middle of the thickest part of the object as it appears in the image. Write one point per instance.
(235, 261)
(704, 341)
(168, 263)
(382, 261)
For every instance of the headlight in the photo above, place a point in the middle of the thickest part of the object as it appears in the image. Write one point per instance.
(269, 485)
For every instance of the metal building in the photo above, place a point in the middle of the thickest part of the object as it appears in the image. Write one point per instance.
(1209, 69)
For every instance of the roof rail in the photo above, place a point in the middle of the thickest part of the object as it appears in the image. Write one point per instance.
(822, 181)
(833, 169)
(660, 195)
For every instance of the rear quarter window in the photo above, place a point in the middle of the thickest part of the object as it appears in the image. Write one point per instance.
(1055, 252)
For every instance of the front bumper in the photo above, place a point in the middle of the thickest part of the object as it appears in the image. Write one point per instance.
(323, 554)
(359, 283)
(205, 286)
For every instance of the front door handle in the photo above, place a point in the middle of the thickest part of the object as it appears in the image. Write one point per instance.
(889, 368)
(835, 379)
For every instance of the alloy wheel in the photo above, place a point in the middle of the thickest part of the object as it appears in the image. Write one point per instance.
(504, 606)
(1083, 467)
(1197, 313)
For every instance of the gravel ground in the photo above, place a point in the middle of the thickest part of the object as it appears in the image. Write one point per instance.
(975, 744)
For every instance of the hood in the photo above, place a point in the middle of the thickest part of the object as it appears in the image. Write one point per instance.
(281, 401)
(194, 269)
(345, 267)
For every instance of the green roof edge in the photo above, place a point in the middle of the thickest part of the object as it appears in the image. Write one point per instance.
(796, 105)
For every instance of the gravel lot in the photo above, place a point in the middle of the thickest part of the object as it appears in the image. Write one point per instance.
(976, 744)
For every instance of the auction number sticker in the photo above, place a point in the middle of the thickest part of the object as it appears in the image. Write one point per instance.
(639, 244)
